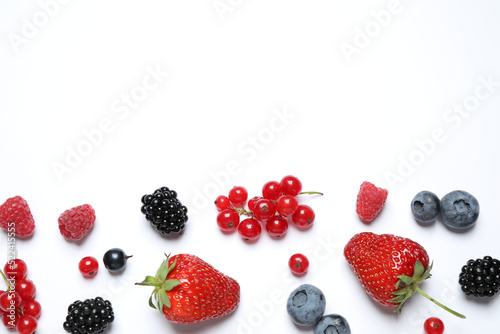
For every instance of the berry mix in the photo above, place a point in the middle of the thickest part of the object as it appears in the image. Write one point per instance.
(389, 267)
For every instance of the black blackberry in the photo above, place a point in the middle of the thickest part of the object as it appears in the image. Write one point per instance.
(480, 277)
(164, 211)
(91, 316)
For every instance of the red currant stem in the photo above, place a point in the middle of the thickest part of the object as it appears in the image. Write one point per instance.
(310, 193)
(242, 211)
(439, 304)
(5, 279)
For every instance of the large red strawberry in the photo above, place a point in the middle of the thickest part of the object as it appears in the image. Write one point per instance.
(16, 217)
(189, 290)
(370, 201)
(389, 267)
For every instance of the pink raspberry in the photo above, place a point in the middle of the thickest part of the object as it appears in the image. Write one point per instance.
(370, 201)
(15, 216)
(76, 222)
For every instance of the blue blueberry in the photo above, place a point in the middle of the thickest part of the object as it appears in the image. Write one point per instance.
(306, 305)
(425, 207)
(332, 324)
(459, 210)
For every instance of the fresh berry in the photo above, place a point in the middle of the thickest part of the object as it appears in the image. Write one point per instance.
(33, 308)
(389, 267)
(306, 305)
(264, 209)
(88, 266)
(459, 210)
(76, 222)
(277, 227)
(222, 203)
(228, 220)
(480, 277)
(298, 264)
(332, 323)
(26, 324)
(250, 229)
(164, 211)
(238, 196)
(290, 185)
(303, 217)
(16, 217)
(10, 300)
(433, 325)
(115, 259)
(271, 190)
(370, 201)
(26, 289)
(189, 290)
(89, 316)
(425, 207)
(9, 320)
(251, 202)
(286, 205)
(15, 269)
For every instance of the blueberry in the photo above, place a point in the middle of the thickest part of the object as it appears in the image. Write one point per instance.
(332, 324)
(459, 210)
(425, 207)
(306, 305)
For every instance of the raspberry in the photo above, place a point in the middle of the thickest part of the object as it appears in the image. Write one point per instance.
(15, 213)
(370, 201)
(76, 222)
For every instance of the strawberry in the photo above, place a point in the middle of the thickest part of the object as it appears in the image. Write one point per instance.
(189, 290)
(76, 222)
(16, 217)
(389, 267)
(370, 201)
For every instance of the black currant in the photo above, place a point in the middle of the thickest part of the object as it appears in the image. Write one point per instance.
(115, 259)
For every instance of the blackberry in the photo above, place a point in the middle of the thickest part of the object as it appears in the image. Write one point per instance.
(480, 277)
(164, 211)
(91, 316)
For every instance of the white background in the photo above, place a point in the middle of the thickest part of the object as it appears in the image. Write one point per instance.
(248, 91)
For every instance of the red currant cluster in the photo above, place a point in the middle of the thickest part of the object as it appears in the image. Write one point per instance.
(275, 209)
(18, 306)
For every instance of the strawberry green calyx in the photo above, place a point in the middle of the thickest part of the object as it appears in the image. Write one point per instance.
(410, 286)
(161, 285)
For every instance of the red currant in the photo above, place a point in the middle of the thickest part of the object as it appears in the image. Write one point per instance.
(290, 185)
(88, 266)
(271, 190)
(9, 320)
(264, 209)
(251, 202)
(9, 300)
(228, 220)
(15, 269)
(238, 195)
(286, 205)
(33, 308)
(298, 264)
(303, 217)
(26, 289)
(433, 325)
(277, 227)
(222, 203)
(250, 229)
(26, 324)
